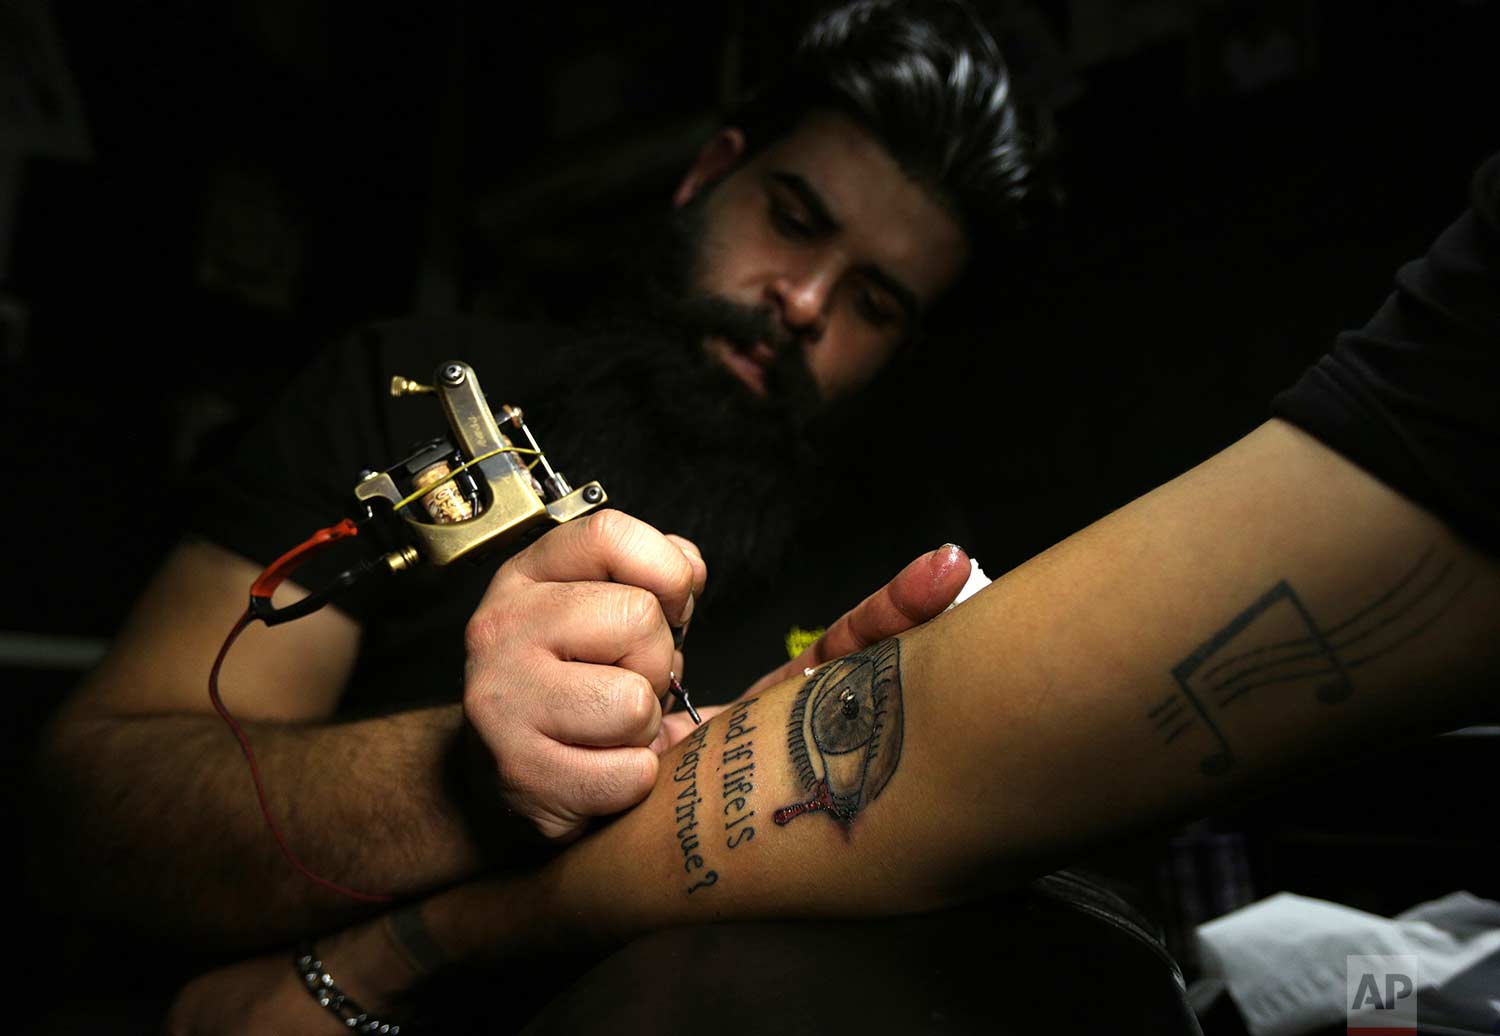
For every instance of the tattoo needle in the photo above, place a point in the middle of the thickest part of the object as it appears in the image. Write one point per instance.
(675, 686)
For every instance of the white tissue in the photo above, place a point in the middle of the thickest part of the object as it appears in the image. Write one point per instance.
(977, 581)
(1284, 958)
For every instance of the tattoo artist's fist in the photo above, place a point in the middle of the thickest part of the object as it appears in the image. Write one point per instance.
(568, 660)
(918, 592)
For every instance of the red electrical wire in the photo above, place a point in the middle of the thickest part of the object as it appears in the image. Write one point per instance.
(317, 541)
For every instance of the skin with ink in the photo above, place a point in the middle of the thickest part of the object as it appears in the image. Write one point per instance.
(1276, 641)
(685, 811)
(845, 733)
(738, 779)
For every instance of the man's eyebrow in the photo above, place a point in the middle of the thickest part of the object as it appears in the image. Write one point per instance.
(818, 214)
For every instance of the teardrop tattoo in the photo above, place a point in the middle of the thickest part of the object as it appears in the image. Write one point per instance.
(845, 731)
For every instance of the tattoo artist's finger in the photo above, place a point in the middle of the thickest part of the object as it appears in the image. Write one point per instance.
(605, 546)
(600, 706)
(608, 624)
(598, 782)
(700, 580)
(677, 725)
(918, 592)
(695, 558)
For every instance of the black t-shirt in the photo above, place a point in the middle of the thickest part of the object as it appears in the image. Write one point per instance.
(1413, 397)
(295, 473)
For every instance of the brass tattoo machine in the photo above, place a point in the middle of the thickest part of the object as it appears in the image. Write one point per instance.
(485, 484)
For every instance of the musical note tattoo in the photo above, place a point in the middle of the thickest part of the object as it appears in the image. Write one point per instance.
(844, 733)
(1277, 641)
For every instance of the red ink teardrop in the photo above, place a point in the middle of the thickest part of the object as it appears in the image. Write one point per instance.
(822, 800)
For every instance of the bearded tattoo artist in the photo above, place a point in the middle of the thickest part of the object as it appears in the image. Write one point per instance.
(813, 235)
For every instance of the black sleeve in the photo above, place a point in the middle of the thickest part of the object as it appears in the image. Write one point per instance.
(1414, 396)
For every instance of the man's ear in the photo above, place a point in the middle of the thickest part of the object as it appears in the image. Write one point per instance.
(720, 155)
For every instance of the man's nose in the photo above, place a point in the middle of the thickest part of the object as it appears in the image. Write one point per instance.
(804, 299)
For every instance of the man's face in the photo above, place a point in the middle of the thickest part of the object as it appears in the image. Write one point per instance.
(827, 241)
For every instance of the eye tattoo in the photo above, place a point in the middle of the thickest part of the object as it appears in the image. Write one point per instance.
(844, 733)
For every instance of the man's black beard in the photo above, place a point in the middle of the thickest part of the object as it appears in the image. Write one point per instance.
(635, 402)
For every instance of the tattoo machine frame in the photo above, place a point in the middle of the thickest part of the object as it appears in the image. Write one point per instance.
(473, 490)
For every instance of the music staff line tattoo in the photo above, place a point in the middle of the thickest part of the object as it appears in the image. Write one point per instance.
(1326, 655)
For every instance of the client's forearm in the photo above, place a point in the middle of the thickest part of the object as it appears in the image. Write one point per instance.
(1267, 610)
(808, 799)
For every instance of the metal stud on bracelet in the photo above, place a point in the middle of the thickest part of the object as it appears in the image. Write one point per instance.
(320, 986)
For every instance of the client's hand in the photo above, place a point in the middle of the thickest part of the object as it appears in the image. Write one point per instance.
(568, 659)
(918, 592)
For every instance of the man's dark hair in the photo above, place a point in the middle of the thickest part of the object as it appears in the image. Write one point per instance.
(927, 79)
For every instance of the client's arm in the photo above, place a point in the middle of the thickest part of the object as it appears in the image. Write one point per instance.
(1274, 608)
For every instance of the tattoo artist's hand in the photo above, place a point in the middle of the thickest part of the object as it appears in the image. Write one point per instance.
(920, 590)
(568, 659)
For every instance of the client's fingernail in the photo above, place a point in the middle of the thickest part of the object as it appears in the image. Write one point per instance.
(678, 633)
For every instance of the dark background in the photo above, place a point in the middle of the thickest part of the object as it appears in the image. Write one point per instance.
(249, 179)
